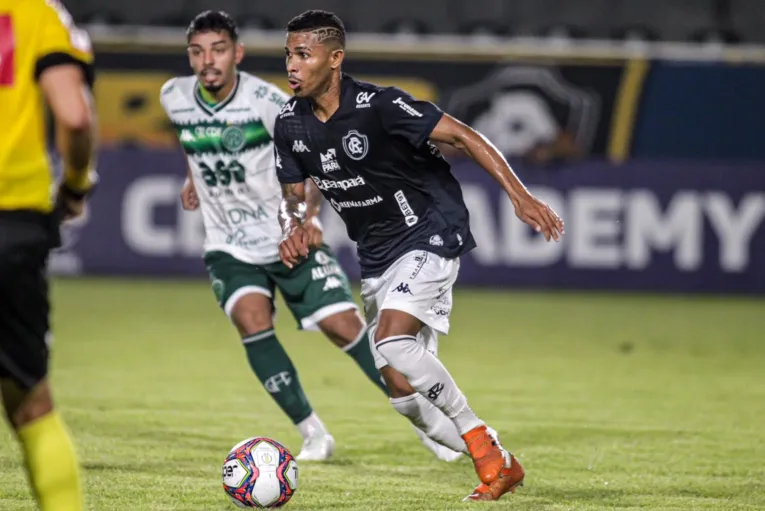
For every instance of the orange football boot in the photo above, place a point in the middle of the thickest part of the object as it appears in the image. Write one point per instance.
(488, 456)
(508, 481)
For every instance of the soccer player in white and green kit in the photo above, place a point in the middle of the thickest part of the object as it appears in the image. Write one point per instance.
(224, 119)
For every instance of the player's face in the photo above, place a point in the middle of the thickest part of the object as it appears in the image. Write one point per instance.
(310, 63)
(213, 57)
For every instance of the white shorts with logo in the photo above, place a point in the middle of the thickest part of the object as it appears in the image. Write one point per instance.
(419, 283)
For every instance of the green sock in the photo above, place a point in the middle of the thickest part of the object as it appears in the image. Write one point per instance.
(275, 371)
(361, 352)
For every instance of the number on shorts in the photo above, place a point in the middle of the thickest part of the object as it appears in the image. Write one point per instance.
(7, 47)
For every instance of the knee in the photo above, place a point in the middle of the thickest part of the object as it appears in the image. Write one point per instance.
(25, 406)
(252, 321)
(394, 322)
(343, 328)
(252, 314)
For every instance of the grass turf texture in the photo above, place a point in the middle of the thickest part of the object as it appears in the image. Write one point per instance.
(608, 400)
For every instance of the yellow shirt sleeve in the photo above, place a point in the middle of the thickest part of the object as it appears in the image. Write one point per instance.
(60, 41)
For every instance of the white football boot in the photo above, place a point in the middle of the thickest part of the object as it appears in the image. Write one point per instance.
(318, 444)
(441, 452)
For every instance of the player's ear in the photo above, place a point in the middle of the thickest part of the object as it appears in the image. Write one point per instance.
(238, 53)
(336, 59)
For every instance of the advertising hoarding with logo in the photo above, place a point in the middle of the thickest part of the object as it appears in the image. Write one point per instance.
(649, 226)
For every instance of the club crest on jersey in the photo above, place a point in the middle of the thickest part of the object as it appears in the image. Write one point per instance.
(232, 139)
(355, 145)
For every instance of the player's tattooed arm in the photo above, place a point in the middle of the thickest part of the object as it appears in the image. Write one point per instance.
(292, 213)
(313, 200)
(527, 207)
(292, 209)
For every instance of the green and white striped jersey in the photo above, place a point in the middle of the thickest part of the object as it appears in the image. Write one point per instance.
(229, 148)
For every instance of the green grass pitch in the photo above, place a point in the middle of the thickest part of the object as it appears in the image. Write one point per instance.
(609, 401)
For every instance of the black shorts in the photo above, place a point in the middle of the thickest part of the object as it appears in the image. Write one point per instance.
(26, 239)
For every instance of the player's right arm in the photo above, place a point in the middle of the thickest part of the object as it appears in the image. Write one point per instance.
(292, 210)
(313, 200)
(64, 72)
(189, 197)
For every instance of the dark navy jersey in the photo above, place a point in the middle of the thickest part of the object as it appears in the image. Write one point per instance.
(373, 162)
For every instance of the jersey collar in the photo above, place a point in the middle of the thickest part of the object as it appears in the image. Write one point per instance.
(212, 109)
(346, 87)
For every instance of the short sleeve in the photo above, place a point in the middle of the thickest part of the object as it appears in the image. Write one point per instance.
(164, 94)
(61, 42)
(273, 99)
(288, 169)
(407, 117)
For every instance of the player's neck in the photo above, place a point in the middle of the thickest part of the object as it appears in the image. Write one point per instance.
(327, 102)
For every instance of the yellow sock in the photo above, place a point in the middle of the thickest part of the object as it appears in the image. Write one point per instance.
(52, 464)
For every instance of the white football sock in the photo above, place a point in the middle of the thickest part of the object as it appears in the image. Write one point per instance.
(430, 420)
(310, 426)
(430, 378)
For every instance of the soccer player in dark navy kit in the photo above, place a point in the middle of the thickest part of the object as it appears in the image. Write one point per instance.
(371, 152)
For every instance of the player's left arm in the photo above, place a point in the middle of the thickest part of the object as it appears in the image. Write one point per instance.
(64, 71)
(417, 121)
(528, 208)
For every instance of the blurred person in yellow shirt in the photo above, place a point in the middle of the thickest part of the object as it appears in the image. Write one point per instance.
(44, 61)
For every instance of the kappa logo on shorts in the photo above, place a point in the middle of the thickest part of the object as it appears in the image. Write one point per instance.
(332, 283)
(403, 288)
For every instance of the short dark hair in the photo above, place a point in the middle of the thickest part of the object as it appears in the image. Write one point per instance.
(318, 19)
(213, 21)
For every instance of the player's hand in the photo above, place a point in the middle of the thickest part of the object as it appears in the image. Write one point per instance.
(189, 198)
(315, 232)
(539, 216)
(69, 204)
(294, 246)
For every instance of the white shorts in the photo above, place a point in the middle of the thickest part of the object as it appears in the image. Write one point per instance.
(419, 283)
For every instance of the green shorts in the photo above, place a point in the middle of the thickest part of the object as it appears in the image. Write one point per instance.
(313, 290)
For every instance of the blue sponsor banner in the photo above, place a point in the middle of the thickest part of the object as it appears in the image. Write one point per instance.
(695, 110)
(644, 225)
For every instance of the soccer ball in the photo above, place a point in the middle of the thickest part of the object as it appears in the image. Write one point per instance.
(260, 472)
